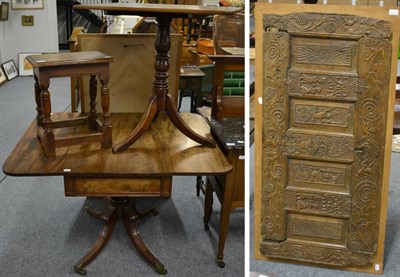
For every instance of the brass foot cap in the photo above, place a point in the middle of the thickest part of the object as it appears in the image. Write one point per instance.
(80, 271)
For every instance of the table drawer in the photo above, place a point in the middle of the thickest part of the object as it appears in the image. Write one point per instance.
(102, 187)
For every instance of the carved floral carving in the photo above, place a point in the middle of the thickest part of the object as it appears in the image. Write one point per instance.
(316, 254)
(325, 86)
(326, 146)
(326, 204)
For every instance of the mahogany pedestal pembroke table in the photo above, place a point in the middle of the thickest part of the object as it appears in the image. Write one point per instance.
(89, 170)
(160, 100)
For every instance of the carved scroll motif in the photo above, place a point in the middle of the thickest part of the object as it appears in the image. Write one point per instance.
(329, 24)
(324, 204)
(316, 254)
(370, 139)
(276, 58)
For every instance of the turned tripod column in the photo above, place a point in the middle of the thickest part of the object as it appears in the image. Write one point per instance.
(161, 100)
(162, 45)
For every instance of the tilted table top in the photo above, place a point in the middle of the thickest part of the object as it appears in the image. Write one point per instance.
(158, 9)
(162, 151)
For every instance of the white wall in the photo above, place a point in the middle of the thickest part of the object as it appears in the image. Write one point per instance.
(42, 37)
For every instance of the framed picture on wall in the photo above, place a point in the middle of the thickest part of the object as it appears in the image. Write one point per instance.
(4, 11)
(3, 77)
(24, 67)
(27, 4)
(10, 69)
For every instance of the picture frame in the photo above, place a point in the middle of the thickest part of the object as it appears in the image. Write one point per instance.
(3, 77)
(10, 69)
(28, 20)
(4, 8)
(27, 4)
(24, 67)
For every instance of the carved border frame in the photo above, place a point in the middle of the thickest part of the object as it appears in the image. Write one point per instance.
(372, 86)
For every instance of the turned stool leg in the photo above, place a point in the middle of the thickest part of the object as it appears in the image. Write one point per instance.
(48, 135)
(105, 105)
(92, 94)
(39, 116)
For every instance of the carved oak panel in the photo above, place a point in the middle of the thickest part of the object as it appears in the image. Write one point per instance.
(319, 176)
(317, 230)
(316, 145)
(343, 87)
(335, 117)
(323, 54)
(326, 204)
(325, 87)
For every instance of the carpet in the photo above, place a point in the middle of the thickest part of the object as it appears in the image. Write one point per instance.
(396, 143)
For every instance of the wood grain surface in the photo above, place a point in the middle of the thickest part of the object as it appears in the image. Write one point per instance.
(162, 151)
(157, 9)
(55, 59)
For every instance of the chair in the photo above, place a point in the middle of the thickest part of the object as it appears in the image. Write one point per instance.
(207, 87)
(228, 32)
(190, 82)
(199, 87)
(227, 115)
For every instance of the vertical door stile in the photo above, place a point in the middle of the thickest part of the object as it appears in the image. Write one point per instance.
(275, 109)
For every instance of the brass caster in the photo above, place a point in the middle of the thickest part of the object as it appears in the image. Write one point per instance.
(220, 263)
(80, 271)
(160, 269)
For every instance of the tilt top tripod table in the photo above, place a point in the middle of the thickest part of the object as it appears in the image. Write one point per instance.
(160, 100)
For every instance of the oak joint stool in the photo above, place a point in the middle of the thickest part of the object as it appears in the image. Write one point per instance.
(47, 66)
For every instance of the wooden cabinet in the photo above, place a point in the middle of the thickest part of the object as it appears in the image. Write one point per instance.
(322, 135)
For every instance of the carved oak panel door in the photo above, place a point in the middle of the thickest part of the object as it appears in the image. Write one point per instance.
(325, 86)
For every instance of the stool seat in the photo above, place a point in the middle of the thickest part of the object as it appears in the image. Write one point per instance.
(73, 58)
(47, 66)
